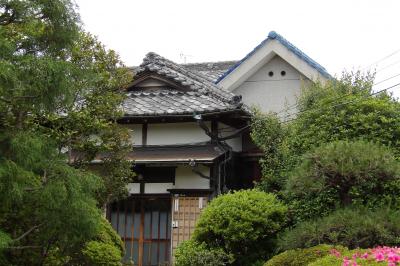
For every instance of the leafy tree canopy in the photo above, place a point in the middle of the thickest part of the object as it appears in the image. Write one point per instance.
(343, 109)
(60, 90)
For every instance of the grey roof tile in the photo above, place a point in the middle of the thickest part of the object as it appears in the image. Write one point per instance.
(162, 66)
(170, 102)
(198, 95)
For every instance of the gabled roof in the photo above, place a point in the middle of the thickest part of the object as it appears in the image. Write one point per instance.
(193, 81)
(273, 36)
(196, 93)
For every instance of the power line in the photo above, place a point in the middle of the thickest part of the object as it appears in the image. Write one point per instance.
(386, 67)
(382, 59)
(341, 104)
(389, 78)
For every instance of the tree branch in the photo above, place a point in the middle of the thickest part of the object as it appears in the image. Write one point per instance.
(27, 233)
(23, 247)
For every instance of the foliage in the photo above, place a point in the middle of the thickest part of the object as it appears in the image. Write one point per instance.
(349, 227)
(301, 257)
(269, 134)
(342, 173)
(243, 223)
(192, 253)
(99, 253)
(340, 109)
(59, 88)
(87, 126)
(376, 256)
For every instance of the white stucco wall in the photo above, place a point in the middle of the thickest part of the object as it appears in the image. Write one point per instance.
(136, 133)
(185, 178)
(175, 133)
(225, 130)
(272, 93)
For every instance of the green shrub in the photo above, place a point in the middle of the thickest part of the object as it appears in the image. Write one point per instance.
(301, 257)
(342, 173)
(349, 227)
(191, 253)
(244, 224)
(106, 249)
(97, 253)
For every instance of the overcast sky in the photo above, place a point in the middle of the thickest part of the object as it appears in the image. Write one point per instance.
(338, 34)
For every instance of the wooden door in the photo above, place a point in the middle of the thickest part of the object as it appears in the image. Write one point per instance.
(144, 225)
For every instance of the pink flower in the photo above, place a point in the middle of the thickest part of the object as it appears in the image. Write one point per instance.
(346, 261)
(393, 257)
(379, 256)
(365, 255)
(335, 253)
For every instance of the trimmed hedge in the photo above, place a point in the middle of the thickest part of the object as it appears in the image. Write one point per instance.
(350, 227)
(343, 173)
(243, 223)
(191, 253)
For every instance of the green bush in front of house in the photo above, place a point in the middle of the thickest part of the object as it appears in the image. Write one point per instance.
(99, 253)
(106, 249)
(350, 227)
(243, 223)
(192, 253)
(343, 173)
(301, 257)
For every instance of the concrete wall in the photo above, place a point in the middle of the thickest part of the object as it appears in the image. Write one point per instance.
(272, 93)
(175, 133)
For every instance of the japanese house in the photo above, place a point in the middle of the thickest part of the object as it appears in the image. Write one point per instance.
(190, 125)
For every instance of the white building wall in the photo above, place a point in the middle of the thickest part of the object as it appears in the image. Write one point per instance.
(136, 133)
(225, 130)
(272, 93)
(185, 178)
(175, 133)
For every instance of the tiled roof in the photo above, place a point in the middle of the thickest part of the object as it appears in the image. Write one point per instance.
(275, 36)
(191, 80)
(197, 93)
(210, 70)
(173, 102)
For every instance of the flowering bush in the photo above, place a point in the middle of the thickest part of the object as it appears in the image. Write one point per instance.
(359, 257)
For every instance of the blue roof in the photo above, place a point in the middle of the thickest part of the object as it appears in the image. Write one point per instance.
(275, 36)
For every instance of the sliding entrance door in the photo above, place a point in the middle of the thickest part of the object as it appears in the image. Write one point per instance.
(144, 225)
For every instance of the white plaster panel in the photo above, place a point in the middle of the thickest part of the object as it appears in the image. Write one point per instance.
(225, 130)
(175, 133)
(135, 132)
(151, 83)
(157, 188)
(133, 188)
(272, 93)
(185, 178)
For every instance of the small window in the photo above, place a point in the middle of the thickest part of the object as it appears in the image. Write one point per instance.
(271, 73)
(283, 73)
